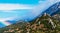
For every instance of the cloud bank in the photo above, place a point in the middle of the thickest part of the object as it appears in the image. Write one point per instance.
(4, 20)
(8, 7)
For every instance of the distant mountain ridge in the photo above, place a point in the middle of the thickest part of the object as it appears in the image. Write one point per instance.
(53, 9)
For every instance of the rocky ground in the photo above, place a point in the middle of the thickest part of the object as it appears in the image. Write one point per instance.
(44, 24)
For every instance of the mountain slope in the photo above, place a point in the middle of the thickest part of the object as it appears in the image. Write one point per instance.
(43, 24)
(53, 9)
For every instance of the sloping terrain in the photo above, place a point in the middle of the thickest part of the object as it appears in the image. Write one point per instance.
(44, 24)
(53, 9)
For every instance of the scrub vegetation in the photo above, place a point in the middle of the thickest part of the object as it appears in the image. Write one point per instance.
(43, 24)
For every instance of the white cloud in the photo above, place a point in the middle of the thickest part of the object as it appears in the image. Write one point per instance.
(4, 20)
(42, 6)
(7, 7)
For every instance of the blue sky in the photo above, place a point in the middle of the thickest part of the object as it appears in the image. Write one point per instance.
(7, 5)
(20, 1)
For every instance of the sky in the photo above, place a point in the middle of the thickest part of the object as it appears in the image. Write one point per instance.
(21, 1)
(15, 10)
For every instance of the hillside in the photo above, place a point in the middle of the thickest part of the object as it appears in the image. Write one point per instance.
(43, 24)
